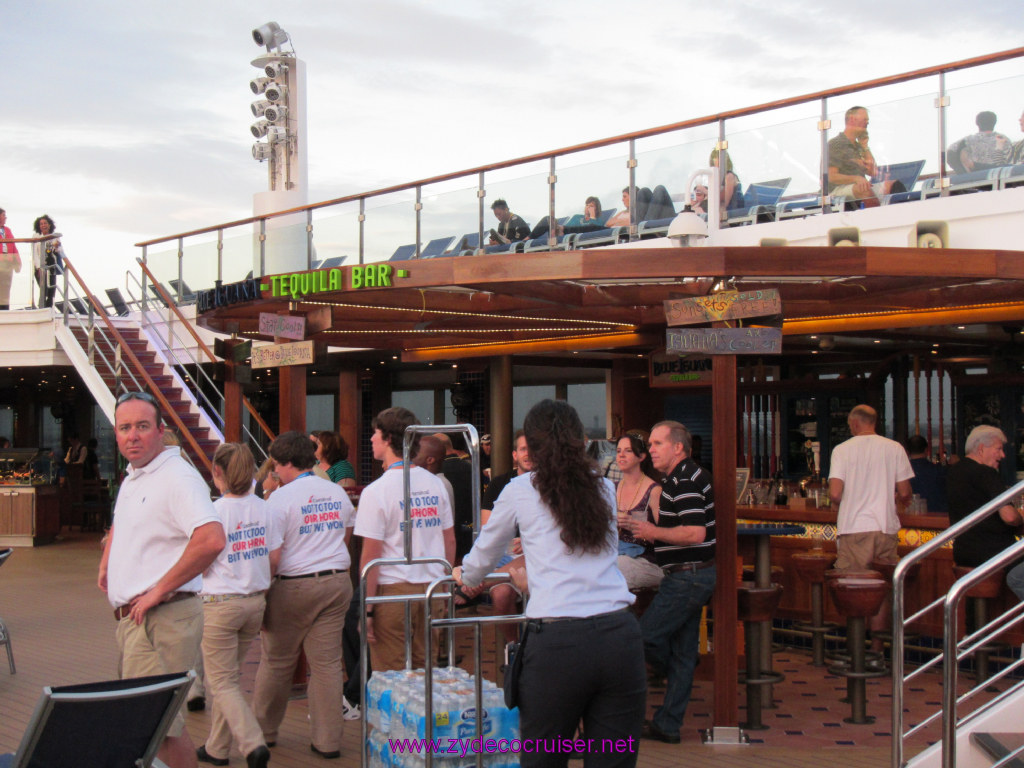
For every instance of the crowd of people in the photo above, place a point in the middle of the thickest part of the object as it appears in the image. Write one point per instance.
(187, 577)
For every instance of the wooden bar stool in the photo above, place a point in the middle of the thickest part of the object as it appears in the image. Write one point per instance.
(887, 569)
(980, 595)
(811, 567)
(755, 608)
(857, 598)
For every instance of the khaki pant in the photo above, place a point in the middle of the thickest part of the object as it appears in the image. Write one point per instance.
(167, 641)
(229, 628)
(6, 276)
(308, 614)
(856, 551)
(388, 651)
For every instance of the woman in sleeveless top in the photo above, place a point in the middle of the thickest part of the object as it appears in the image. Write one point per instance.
(637, 491)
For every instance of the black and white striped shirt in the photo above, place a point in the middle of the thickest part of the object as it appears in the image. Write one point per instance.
(687, 498)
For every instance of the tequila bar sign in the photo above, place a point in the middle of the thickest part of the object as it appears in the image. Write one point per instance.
(725, 341)
(278, 355)
(727, 305)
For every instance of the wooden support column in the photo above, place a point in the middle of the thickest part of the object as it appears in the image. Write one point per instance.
(723, 408)
(500, 369)
(292, 380)
(348, 416)
(232, 406)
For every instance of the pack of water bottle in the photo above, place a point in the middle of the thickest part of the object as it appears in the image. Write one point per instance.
(396, 708)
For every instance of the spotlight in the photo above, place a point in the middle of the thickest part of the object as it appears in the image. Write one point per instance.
(276, 133)
(276, 69)
(270, 35)
(259, 129)
(275, 113)
(259, 84)
(261, 151)
(276, 93)
(259, 107)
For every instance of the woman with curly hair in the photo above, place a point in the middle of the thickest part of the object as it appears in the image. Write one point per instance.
(47, 259)
(582, 652)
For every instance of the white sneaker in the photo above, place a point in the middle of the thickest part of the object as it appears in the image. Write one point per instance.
(349, 711)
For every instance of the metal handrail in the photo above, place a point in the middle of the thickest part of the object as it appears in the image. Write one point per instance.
(210, 408)
(949, 601)
(169, 412)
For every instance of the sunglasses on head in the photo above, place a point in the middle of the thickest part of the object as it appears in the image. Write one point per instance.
(144, 396)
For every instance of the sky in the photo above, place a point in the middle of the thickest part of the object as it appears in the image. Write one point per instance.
(126, 122)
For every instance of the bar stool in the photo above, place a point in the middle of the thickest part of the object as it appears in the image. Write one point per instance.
(5, 636)
(767, 644)
(811, 567)
(857, 598)
(755, 608)
(887, 569)
(980, 594)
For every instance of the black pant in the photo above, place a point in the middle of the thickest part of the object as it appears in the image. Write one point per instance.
(583, 669)
(350, 652)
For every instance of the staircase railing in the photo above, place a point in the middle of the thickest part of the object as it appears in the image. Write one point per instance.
(137, 371)
(954, 650)
(213, 410)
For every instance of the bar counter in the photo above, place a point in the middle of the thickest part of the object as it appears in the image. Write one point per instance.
(29, 515)
(934, 579)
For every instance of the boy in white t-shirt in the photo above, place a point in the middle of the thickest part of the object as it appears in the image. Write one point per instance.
(380, 523)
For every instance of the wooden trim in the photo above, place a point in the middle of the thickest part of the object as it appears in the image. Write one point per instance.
(621, 138)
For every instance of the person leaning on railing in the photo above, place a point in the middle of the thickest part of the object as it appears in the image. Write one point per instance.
(47, 259)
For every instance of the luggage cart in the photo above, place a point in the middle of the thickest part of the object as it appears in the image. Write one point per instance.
(367, 601)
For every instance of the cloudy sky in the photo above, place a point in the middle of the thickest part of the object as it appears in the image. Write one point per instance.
(127, 121)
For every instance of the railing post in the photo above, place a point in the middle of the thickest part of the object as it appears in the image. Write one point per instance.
(309, 238)
(823, 127)
(263, 247)
(631, 165)
(552, 224)
(64, 312)
(362, 228)
(723, 169)
(942, 104)
(481, 195)
(145, 301)
(418, 207)
(220, 256)
(181, 275)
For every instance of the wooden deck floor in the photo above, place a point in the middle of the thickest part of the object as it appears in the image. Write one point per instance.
(63, 633)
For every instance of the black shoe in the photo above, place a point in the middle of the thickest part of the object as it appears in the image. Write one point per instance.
(198, 704)
(205, 757)
(258, 758)
(653, 732)
(326, 755)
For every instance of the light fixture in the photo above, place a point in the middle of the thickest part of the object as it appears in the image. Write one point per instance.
(275, 113)
(276, 92)
(276, 133)
(259, 84)
(688, 229)
(259, 129)
(259, 107)
(276, 69)
(261, 151)
(270, 35)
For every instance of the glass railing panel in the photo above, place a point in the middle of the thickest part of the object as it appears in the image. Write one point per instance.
(240, 255)
(901, 129)
(336, 234)
(286, 244)
(198, 269)
(162, 260)
(450, 210)
(390, 224)
(524, 188)
(668, 159)
(1002, 98)
(600, 173)
(779, 148)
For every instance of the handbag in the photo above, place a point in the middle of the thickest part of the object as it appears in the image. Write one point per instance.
(515, 669)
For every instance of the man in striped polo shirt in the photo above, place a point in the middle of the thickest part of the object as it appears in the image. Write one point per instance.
(684, 544)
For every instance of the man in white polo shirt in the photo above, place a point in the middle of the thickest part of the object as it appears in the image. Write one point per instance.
(380, 523)
(306, 603)
(165, 534)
